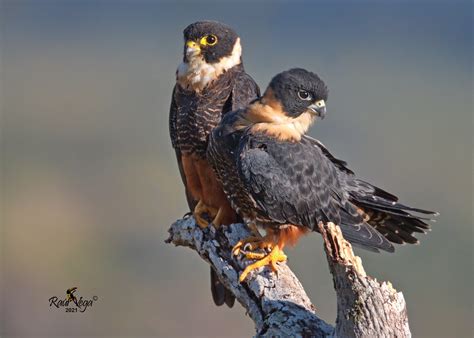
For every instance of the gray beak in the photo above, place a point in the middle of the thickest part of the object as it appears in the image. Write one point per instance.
(319, 108)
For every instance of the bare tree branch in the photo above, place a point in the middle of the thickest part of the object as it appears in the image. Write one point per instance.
(277, 302)
(365, 308)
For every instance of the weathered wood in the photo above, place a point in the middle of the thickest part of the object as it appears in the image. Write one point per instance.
(277, 302)
(365, 308)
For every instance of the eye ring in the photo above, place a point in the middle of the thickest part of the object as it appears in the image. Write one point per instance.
(209, 40)
(304, 95)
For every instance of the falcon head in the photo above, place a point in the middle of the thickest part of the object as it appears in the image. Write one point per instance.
(210, 49)
(212, 41)
(299, 91)
(288, 107)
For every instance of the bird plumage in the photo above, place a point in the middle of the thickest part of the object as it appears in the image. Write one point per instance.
(210, 82)
(277, 180)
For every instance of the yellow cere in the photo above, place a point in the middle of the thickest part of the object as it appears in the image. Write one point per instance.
(191, 44)
(321, 103)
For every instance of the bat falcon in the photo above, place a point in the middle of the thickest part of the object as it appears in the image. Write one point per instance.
(210, 82)
(280, 179)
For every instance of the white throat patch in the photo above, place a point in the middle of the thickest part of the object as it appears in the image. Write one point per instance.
(196, 74)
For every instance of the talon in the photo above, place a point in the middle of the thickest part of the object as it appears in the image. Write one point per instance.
(242, 244)
(274, 266)
(199, 210)
(247, 247)
(217, 221)
(275, 256)
(203, 223)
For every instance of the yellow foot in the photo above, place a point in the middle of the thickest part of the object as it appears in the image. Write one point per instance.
(275, 256)
(201, 209)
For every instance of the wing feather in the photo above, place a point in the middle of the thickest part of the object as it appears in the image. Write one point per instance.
(174, 139)
(396, 221)
(296, 183)
(244, 91)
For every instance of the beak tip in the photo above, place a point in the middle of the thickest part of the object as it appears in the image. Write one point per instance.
(322, 113)
(319, 109)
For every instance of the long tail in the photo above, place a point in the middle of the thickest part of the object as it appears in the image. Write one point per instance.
(382, 218)
(395, 221)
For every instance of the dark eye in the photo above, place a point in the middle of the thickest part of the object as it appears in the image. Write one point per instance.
(208, 40)
(211, 39)
(304, 95)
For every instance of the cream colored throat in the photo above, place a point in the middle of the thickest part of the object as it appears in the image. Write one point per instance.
(196, 74)
(272, 121)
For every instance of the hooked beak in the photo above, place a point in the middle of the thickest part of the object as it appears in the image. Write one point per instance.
(319, 108)
(192, 48)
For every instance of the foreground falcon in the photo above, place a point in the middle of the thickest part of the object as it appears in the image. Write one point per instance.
(279, 178)
(209, 82)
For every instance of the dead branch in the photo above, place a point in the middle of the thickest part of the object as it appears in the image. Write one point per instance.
(277, 302)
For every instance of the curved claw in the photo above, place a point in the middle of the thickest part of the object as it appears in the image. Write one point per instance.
(199, 210)
(217, 221)
(188, 214)
(201, 221)
(243, 244)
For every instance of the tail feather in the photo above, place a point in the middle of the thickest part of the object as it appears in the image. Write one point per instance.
(393, 238)
(357, 231)
(392, 211)
(365, 236)
(411, 226)
(393, 206)
(377, 191)
(404, 234)
(395, 221)
(220, 294)
(379, 208)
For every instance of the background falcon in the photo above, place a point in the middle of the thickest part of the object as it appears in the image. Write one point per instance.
(287, 182)
(209, 82)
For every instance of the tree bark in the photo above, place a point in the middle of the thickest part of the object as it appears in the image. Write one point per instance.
(277, 302)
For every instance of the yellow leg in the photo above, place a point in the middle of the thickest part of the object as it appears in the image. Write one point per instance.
(200, 209)
(275, 256)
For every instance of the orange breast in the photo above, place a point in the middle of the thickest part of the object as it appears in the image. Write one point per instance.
(204, 185)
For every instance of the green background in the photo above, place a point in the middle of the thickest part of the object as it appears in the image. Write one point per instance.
(90, 184)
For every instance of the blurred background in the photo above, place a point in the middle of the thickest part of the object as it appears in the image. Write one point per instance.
(89, 179)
